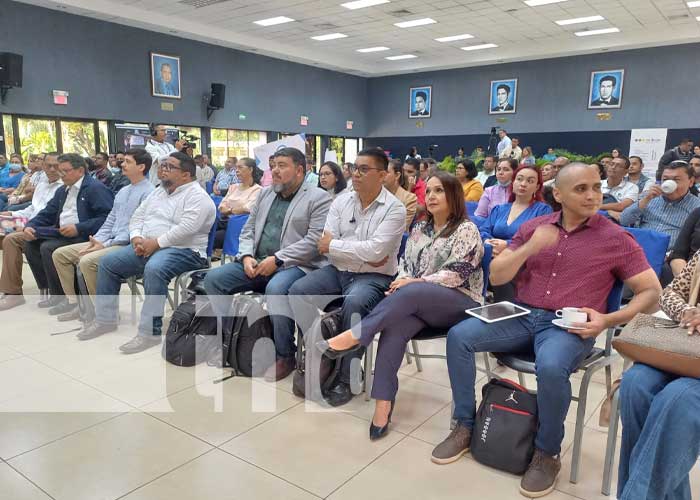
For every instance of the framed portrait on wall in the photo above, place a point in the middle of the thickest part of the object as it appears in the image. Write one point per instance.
(606, 89)
(165, 76)
(420, 102)
(504, 96)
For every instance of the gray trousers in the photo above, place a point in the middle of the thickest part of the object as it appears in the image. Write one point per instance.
(399, 317)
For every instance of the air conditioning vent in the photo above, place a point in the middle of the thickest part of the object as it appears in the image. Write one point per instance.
(198, 4)
(401, 13)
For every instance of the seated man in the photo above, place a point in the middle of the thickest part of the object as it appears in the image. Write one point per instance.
(277, 247)
(616, 187)
(169, 233)
(570, 258)
(22, 196)
(76, 211)
(13, 244)
(102, 172)
(663, 212)
(113, 234)
(362, 237)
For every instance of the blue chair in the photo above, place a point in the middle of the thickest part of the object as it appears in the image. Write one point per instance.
(217, 199)
(210, 187)
(233, 233)
(471, 208)
(181, 280)
(426, 334)
(654, 245)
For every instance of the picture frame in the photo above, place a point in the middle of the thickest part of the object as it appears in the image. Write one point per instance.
(503, 98)
(420, 102)
(605, 91)
(165, 76)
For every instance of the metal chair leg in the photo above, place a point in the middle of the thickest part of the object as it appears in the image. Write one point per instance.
(419, 364)
(408, 355)
(369, 373)
(487, 366)
(608, 379)
(611, 444)
(580, 421)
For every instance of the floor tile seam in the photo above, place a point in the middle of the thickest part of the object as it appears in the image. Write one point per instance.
(257, 425)
(30, 481)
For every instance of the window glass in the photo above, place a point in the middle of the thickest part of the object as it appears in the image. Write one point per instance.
(238, 143)
(196, 132)
(104, 141)
(255, 139)
(219, 146)
(350, 150)
(78, 137)
(36, 136)
(9, 134)
(337, 144)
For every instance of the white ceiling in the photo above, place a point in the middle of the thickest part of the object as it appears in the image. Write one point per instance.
(522, 32)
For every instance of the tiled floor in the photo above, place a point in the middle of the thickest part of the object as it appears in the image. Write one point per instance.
(80, 421)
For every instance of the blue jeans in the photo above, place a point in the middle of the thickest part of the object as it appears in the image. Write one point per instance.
(157, 271)
(360, 291)
(660, 434)
(224, 281)
(557, 354)
(19, 206)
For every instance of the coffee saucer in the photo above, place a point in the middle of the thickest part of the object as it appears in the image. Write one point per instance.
(560, 323)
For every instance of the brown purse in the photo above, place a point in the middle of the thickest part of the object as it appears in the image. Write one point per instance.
(660, 343)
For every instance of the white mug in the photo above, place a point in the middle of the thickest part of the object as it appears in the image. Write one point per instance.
(572, 315)
(669, 186)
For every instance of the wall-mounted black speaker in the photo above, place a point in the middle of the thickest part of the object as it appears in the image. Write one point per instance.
(10, 69)
(218, 96)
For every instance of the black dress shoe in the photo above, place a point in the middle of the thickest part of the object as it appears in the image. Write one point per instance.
(338, 395)
(376, 432)
(52, 302)
(62, 308)
(329, 352)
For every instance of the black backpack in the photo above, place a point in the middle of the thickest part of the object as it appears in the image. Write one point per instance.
(504, 429)
(251, 323)
(330, 325)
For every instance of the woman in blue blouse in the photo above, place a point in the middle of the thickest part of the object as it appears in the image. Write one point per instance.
(503, 222)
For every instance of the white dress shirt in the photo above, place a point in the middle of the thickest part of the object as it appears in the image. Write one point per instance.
(42, 195)
(484, 176)
(182, 219)
(69, 214)
(158, 151)
(503, 148)
(625, 190)
(369, 235)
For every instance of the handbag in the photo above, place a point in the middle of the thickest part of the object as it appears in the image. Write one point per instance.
(660, 343)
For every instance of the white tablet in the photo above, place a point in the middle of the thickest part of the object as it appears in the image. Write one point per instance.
(498, 312)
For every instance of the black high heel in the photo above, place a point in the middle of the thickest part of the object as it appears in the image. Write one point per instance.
(329, 352)
(376, 432)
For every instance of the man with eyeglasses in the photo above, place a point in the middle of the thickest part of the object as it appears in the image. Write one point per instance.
(159, 149)
(665, 212)
(278, 246)
(169, 233)
(76, 211)
(361, 239)
(13, 243)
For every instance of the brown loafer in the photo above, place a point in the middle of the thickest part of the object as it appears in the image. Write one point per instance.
(280, 370)
(10, 301)
(541, 475)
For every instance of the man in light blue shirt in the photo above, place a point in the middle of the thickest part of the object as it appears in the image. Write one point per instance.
(504, 146)
(113, 234)
(663, 212)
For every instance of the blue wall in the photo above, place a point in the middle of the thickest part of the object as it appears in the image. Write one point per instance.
(105, 67)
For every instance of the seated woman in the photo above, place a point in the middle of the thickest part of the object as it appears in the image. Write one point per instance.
(661, 412)
(499, 193)
(331, 178)
(466, 174)
(240, 197)
(396, 183)
(439, 277)
(527, 158)
(687, 243)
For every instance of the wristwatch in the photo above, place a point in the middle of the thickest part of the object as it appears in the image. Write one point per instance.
(279, 262)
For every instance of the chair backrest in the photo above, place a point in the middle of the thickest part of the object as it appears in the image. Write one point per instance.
(233, 232)
(402, 248)
(471, 207)
(615, 297)
(654, 244)
(217, 199)
(486, 264)
(210, 187)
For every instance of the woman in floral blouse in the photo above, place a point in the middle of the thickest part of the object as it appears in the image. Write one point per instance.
(439, 277)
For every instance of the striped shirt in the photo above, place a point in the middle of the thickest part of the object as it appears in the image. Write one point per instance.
(661, 215)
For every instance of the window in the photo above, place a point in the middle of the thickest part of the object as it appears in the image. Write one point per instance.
(36, 136)
(219, 146)
(103, 131)
(255, 139)
(197, 132)
(350, 150)
(238, 143)
(337, 144)
(9, 134)
(77, 137)
(319, 156)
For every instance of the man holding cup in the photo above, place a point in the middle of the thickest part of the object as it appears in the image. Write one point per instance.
(570, 258)
(666, 206)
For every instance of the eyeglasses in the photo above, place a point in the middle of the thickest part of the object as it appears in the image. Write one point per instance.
(326, 174)
(167, 167)
(362, 170)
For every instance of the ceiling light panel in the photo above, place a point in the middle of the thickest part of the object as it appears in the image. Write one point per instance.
(597, 32)
(361, 4)
(579, 20)
(454, 38)
(537, 3)
(480, 47)
(401, 57)
(373, 49)
(694, 4)
(329, 36)
(415, 22)
(273, 21)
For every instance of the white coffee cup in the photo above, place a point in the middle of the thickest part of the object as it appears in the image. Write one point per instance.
(669, 186)
(572, 315)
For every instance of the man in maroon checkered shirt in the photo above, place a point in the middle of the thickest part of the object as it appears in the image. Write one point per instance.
(570, 258)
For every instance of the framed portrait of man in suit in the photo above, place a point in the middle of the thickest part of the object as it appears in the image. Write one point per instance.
(165, 76)
(504, 96)
(606, 89)
(420, 102)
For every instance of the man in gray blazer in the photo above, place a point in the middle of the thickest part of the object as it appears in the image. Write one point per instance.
(278, 246)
